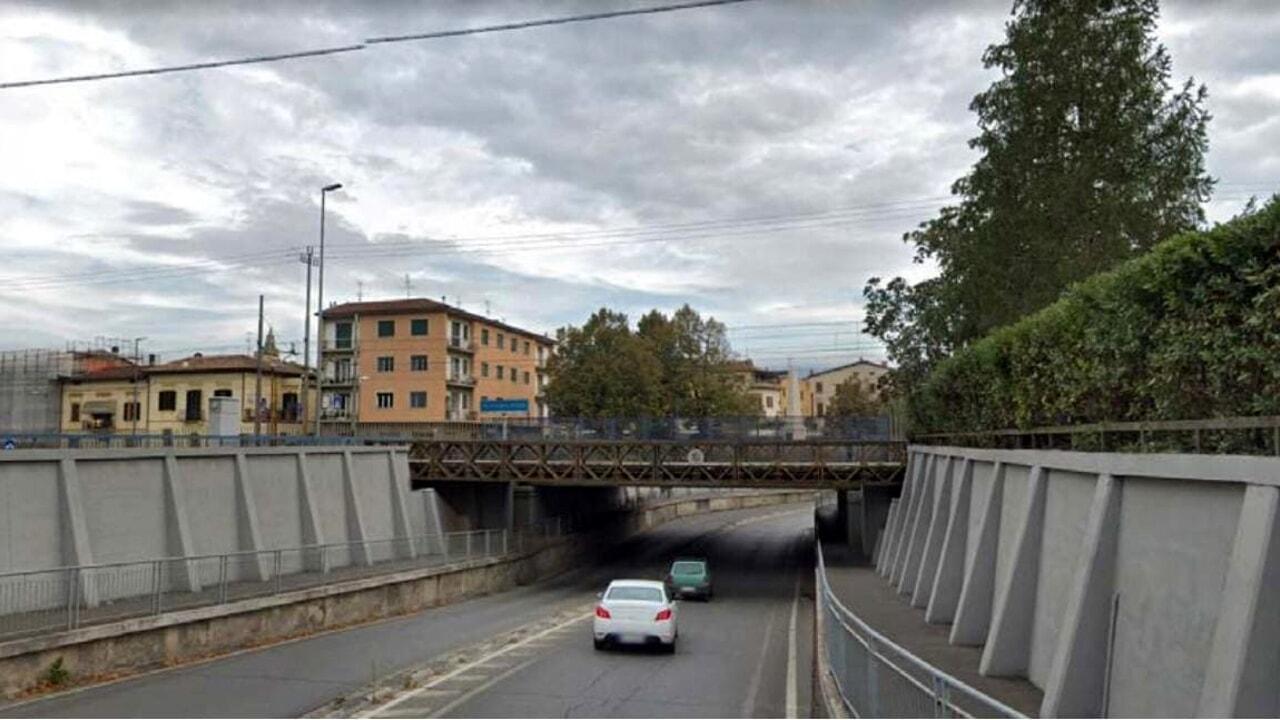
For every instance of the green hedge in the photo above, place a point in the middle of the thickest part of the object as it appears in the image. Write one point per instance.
(1188, 330)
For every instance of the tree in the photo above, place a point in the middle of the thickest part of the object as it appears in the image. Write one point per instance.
(669, 366)
(694, 354)
(852, 399)
(1087, 159)
(603, 370)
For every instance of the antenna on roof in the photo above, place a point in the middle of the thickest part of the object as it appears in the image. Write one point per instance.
(486, 307)
(359, 291)
(408, 286)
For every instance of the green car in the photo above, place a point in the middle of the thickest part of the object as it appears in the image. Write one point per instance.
(690, 577)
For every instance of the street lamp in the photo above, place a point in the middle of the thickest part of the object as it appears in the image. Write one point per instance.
(320, 309)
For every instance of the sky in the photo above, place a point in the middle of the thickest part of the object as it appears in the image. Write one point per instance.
(758, 161)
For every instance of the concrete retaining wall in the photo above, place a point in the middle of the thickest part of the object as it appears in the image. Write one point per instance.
(173, 638)
(1122, 585)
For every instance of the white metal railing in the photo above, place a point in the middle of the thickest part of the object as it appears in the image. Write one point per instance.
(878, 678)
(42, 601)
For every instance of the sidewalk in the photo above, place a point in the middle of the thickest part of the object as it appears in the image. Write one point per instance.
(870, 597)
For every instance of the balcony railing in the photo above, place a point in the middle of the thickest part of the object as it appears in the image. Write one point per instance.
(465, 380)
(330, 345)
(461, 343)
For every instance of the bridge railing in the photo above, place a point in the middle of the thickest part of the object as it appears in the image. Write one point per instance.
(1258, 435)
(876, 677)
(42, 601)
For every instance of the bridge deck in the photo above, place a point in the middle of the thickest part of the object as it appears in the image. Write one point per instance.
(818, 464)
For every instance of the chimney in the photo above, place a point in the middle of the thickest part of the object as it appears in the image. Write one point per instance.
(151, 359)
(115, 349)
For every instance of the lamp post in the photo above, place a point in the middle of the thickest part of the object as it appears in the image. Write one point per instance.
(320, 310)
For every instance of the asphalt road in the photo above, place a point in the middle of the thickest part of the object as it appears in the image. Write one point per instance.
(734, 659)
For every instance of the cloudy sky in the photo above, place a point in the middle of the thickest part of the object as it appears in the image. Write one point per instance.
(759, 161)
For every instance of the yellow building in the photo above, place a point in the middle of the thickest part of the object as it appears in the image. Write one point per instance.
(176, 397)
(418, 360)
(767, 387)
(823, 384)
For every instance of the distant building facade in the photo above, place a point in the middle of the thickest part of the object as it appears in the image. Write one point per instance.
(176, 397)
(767, 387)
(418, 360)
(822, 384)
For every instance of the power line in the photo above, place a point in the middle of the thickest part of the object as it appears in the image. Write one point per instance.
(260, 59)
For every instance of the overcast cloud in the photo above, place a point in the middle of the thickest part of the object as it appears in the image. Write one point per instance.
(846, 122)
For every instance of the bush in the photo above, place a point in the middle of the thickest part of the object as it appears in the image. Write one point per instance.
(1188, 330)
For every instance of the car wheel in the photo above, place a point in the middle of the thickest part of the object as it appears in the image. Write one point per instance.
(599, 643)
(670, 648)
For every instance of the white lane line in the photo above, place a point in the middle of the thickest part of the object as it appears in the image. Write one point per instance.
(475, 663)
(749, 701)
(481, 688)
(793, 710)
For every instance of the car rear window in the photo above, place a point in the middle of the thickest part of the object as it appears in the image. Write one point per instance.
(631, 592)
(688, 568)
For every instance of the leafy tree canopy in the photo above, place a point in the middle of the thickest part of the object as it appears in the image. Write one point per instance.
(1088, 157)
(674, 365)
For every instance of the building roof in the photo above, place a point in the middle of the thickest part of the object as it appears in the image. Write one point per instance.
(860, 361)
(422, 305)
(197, 363)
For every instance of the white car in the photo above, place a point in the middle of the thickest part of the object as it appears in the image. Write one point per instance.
(635, 611)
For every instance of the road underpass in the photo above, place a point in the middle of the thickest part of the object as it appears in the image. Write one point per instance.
(747, 653)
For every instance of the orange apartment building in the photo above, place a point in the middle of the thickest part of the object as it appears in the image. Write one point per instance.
(419, 360)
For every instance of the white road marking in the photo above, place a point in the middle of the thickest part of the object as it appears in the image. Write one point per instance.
(481, 688)
(793, 710)
(460, 670)
(753, 689)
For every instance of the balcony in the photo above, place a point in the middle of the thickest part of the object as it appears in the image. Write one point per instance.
(345, 345)
(461, 380)
(338, 380)
(337, 414)
(461, 344)
(460, 415)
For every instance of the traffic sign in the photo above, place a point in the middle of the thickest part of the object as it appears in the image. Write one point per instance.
(498, 405)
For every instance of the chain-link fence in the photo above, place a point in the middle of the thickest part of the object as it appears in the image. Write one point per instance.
(878, 678)
(42, 601)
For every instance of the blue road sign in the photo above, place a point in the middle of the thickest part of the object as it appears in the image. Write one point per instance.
(500, 405)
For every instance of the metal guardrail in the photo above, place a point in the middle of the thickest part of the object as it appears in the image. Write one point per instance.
(42, 601)
(878, 678)
(51, 441)
(1258, 435)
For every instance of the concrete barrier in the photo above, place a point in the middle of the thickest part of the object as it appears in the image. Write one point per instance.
(115, 649)
(1120, 584)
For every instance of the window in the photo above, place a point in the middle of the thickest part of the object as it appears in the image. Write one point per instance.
(484, 369)
(484, 336)
(386, 328)
(821, 410)
(222, 392)
(817, 387)
(168, 400)
(386, 400)
(418, 326)
(768, 401)
(526, 347)
(386, 363)
(634, 592)
(515, 376)
(342, 335)
(131, 411)
(289, 407)
(499, 368)
(526, 377)
(418, 363)
(193, 406)
(75, 412)
(502, 342)
(418, 399)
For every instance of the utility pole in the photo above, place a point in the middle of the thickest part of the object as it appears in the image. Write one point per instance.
(137, 361)
(307, 258)
(320, 309)
(257, 400)
(408, 286)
